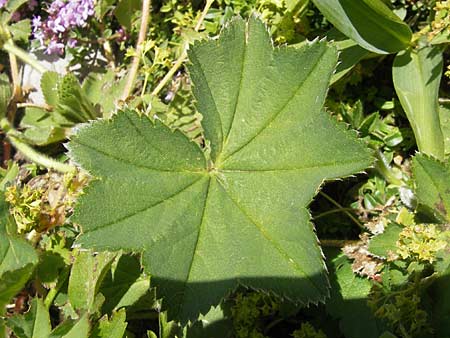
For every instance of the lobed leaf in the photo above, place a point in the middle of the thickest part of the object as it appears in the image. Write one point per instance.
(239, 218)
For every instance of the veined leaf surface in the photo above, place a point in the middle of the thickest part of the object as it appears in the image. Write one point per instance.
(205, 226)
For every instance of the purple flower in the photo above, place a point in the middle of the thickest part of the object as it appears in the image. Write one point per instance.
(63, 17)
(3, 3)
(55, 47)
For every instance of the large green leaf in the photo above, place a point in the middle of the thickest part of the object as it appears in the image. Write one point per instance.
(240, 218)
(369, 22)
(417, 75)
(432, 179)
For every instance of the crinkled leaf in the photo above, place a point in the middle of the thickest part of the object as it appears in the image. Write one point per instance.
(34, 324)
(368, 22)
(86, 276)
(432, 180)
(204, 228)
(417, 75)
(348, 301)
(384, 244)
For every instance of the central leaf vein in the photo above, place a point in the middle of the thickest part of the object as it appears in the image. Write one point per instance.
(267, 236)
(118, 220)
(283, 107)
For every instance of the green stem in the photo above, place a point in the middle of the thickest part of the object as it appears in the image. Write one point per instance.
(333, 211)
(10, 47)
(332, 201)
(30, 153)
(132, 74)
(54, 291)
(183, 55)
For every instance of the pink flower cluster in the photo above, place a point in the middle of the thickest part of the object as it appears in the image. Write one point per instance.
(63, 17)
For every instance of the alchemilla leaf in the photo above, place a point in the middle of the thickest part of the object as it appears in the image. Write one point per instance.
(204, 227)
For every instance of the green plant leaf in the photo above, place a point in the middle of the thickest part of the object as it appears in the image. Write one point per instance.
(369, 22)
(348, 301)
(112, 328)
(34, 324)
(384, 244)
(73, 329)
(21, 30)
(86, 276)
(125, 10)
(432, 186)
(417, 75)
(17, 261)
(206, 227)
(444, 117)
(350, 53)
(49, 85)
(5, 94)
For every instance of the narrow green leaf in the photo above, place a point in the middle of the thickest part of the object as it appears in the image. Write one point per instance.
(205, 228)
(368, 22)
(34, 324)
(432, 186)
(124, 286)
(113, 328)
(86, 276)
(49, 86)
(417, 75)
(444, 117)
(72, 328)
(383, 245)
(5, 94)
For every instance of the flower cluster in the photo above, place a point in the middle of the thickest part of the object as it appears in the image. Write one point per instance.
(63, 17)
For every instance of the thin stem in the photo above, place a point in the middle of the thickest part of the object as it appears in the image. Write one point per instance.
(45, 107)
(337, 243)
(183, 55)
(54, 291)
(17, 92)
(132, 74)
(333, 211)
(39, 158)
(332, 201)
(30, 153)
(11, 48)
